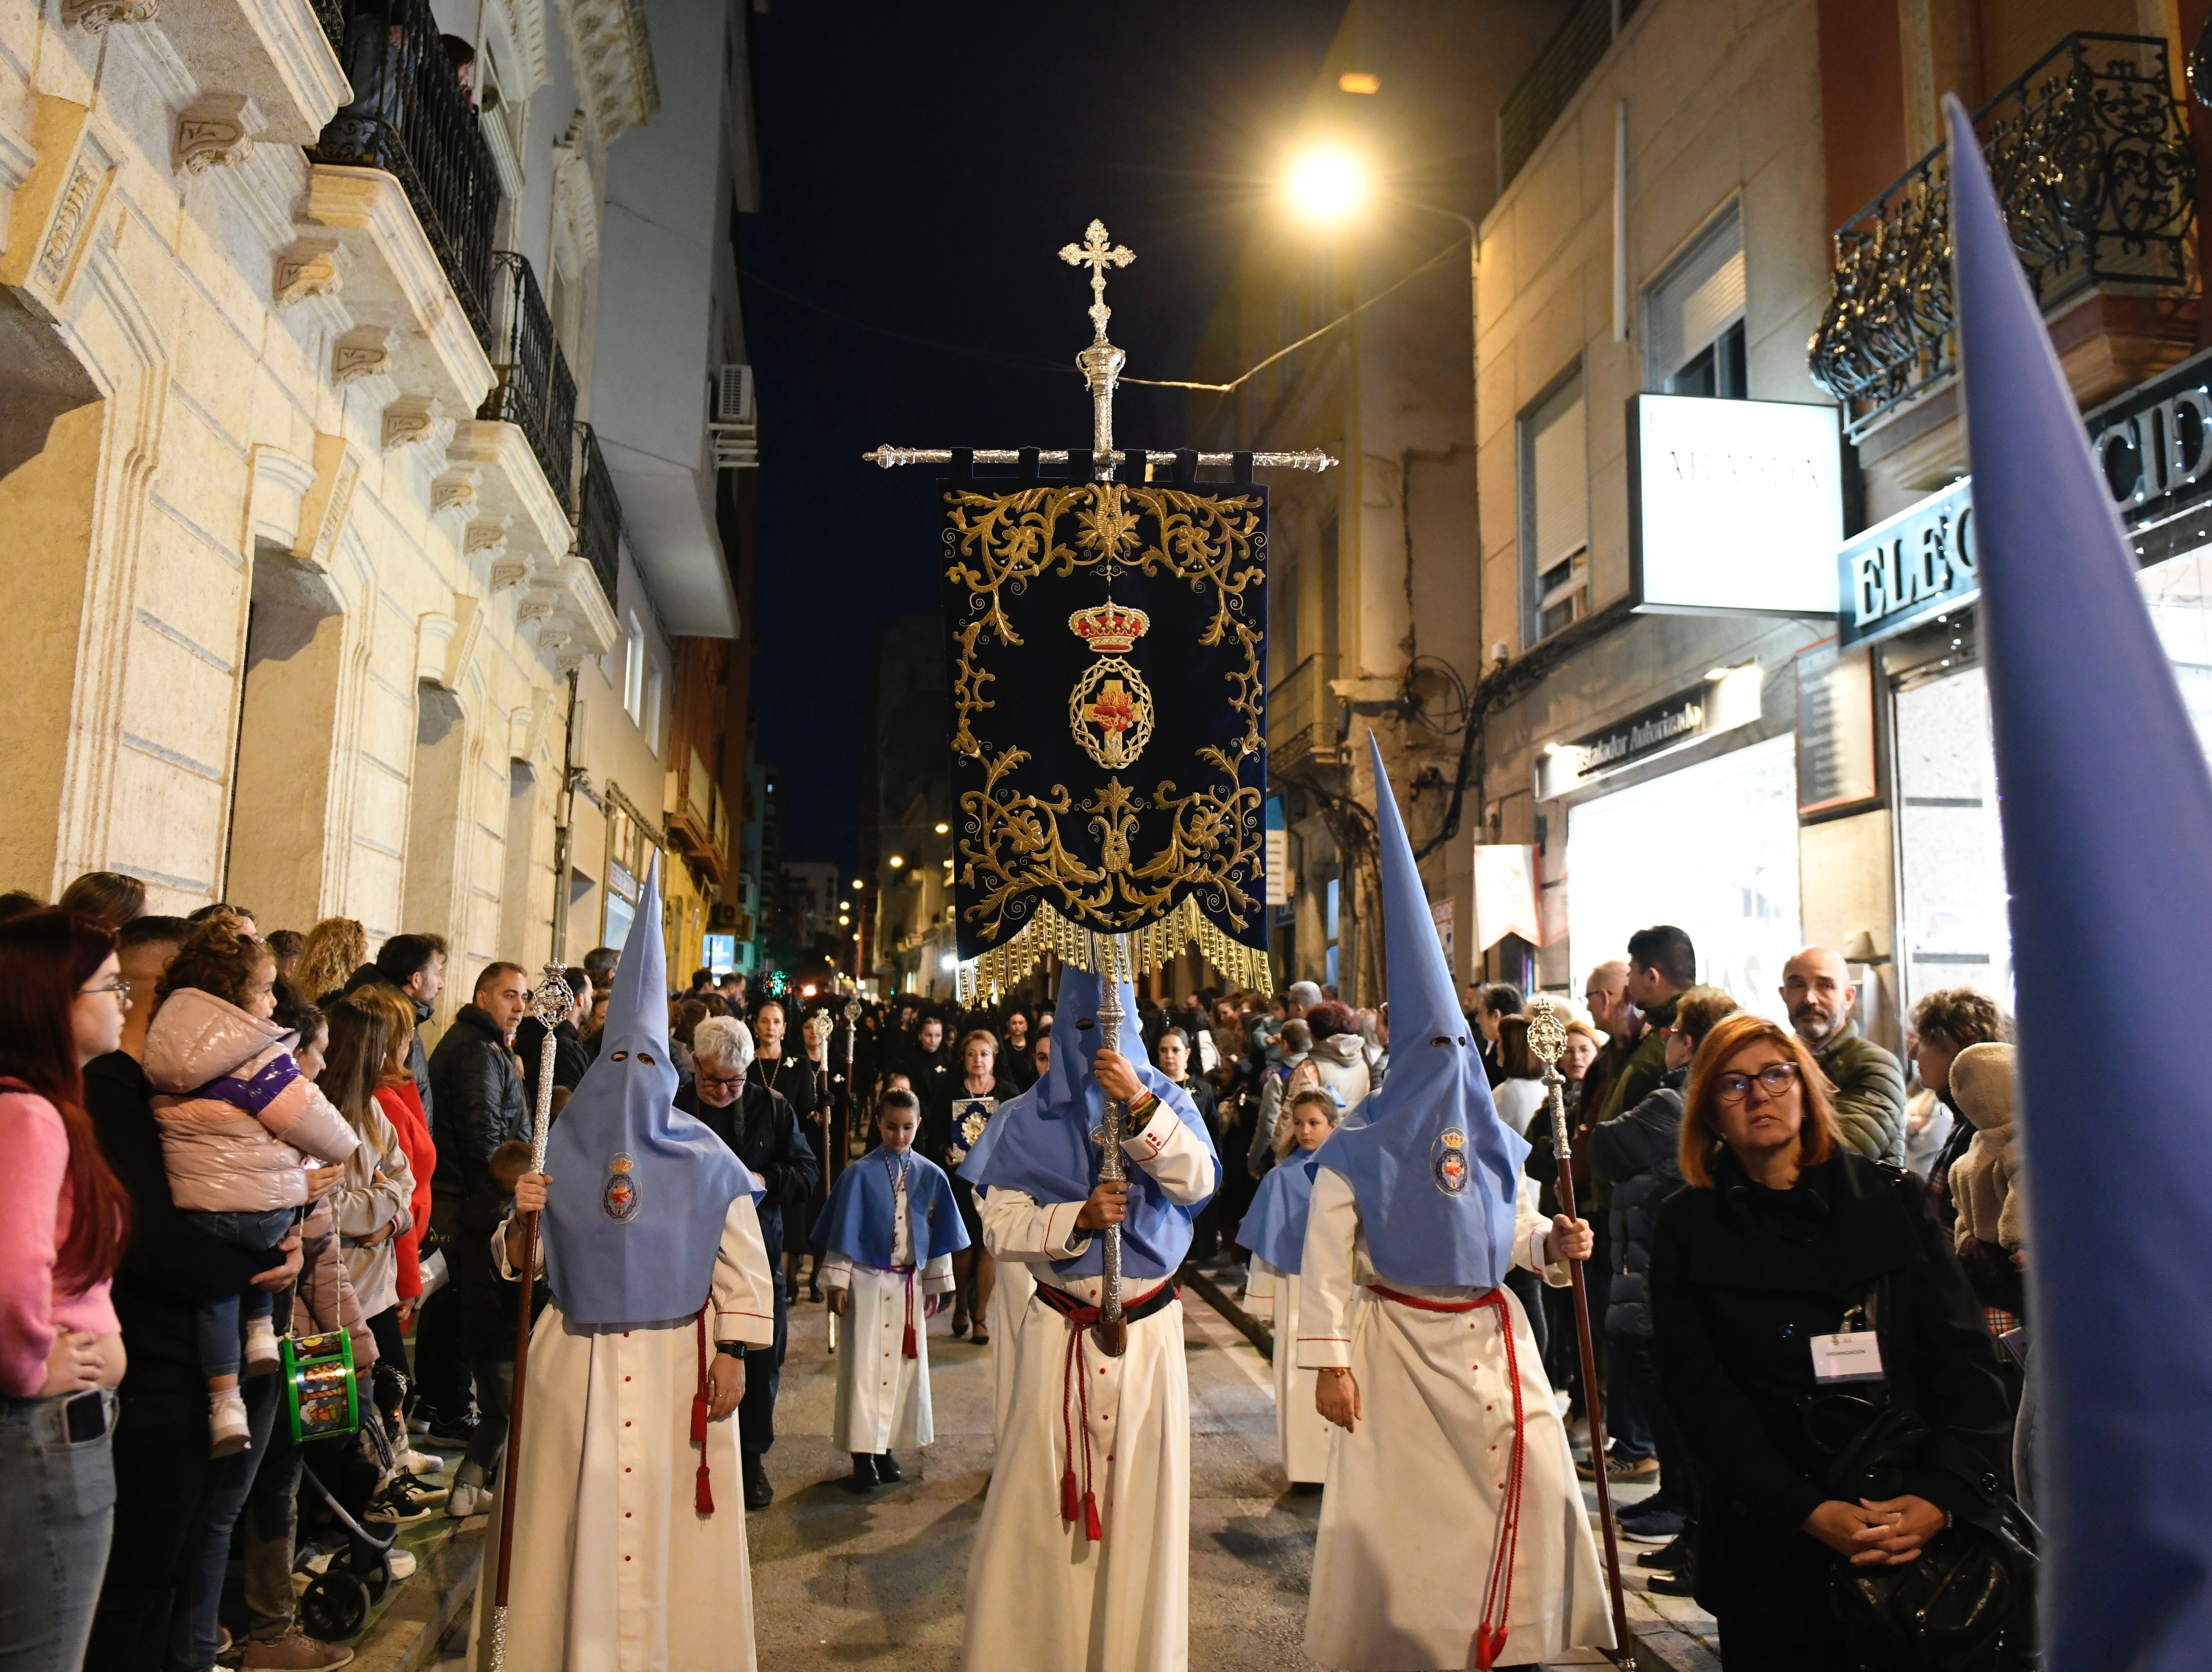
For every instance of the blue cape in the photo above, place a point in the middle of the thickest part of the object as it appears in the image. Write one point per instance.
(1275, 1226)
(1040, 1142)
(634, 1218)
(1435, 1171)
(861, 1212)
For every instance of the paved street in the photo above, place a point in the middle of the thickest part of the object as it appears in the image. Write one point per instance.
(840, 1581)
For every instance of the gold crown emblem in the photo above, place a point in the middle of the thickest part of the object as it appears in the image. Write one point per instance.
(1110, 628)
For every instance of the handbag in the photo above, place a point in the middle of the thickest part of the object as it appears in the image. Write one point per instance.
(434, 1273)
(1967, 1604)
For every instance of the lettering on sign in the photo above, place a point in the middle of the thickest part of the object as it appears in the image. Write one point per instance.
(1916, 563)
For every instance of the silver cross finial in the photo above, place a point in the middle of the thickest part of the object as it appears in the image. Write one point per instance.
(1097, 253)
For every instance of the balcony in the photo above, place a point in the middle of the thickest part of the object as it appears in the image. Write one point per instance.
(598, 515)
(2091, 158)
(535, 391)
(409, 118)
(1553, 79)
(1304, 714)
(696, 821)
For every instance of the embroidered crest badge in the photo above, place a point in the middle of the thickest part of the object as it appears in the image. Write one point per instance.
(618, 1196)
(1448, 1165)
(1110, 710)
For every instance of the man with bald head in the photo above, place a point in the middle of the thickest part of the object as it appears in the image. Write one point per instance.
(1869, 1099)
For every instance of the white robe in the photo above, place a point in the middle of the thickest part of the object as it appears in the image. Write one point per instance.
(1039, 1594)
(1408, 1521)
(883, 1395)
(1011, 1294)
(1301, 1430)
(614, 1569)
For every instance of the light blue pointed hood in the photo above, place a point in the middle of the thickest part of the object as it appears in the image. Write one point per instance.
(640, 1188)
(1435, 1171)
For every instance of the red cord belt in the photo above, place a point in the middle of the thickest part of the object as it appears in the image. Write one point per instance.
(1075, 1391)
(1497, 1595)
(908, 1349)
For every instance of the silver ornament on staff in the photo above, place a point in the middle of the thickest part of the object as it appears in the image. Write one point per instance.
(1547, 1038)
(1106, 953)
(552, 1002)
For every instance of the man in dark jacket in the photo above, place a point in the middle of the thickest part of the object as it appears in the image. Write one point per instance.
(481, 1105)
(163, 1474)
(1869, 1096)
(414, 966)
(1662, 965)
(763, 1130)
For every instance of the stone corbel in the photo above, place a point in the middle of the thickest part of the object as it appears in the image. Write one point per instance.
(364, 351)
(58, 205)
(411, 420)
(308, 267)
(94, 15)
(328, 502)
(538, 606)
(510, 572)
(454, 492)
(489, 535)
(218, 131)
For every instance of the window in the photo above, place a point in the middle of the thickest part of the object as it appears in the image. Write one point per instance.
(1694, 319)
(634, 669)
(1555, 510)
(651, 723)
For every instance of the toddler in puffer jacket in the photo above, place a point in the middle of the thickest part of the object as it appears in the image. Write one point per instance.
(240, 1125)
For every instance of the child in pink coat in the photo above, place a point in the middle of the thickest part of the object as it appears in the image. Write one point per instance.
(239, 1126)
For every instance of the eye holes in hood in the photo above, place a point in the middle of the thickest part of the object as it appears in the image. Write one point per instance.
(620, 1056)
(1085, 1024)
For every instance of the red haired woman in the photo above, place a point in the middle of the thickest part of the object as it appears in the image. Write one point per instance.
(61, 1349)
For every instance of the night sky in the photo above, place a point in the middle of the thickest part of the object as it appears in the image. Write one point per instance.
(920, 167)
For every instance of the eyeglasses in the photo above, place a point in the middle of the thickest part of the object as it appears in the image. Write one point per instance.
(1773, 1081)
(119, 987)
(721, 1082)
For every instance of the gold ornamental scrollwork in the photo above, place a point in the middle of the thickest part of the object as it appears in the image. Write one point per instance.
(1024, 891)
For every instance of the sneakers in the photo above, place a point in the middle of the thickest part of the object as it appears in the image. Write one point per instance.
(1657, 1525)
(759, 1495)
(1681, 1583)
(401, 1562)
(1621, 1469)
(228, 1434)
(261, 1357)
(295, 1649)
(468, 1498)
(450, 1434)
(407, 1461)
(402, 1503)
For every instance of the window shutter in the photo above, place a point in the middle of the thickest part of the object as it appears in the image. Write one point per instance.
(1689, 309)
(1560, 470)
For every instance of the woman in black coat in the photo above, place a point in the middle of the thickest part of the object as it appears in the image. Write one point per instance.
(1776, 1247)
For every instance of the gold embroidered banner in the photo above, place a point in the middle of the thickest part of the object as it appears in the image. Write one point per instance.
(1109, 678)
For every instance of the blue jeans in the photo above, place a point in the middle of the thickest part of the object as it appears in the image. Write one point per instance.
(194, 1623)
(58, 1504)
(1644, 1422)
(218, 1321)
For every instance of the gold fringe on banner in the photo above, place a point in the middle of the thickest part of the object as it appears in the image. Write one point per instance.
(988, 977)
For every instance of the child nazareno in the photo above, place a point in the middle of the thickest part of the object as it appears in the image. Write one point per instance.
(891, 1229)
(1274, 1229)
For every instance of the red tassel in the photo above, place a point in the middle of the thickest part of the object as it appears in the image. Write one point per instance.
(1488, 1645)
(703, 1498)
(911, 1352)
(1091, 1529)
(1067, 1494)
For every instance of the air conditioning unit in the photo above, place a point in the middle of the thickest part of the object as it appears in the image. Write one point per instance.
(735, 426)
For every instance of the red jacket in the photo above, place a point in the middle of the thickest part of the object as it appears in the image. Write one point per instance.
(402, 1107)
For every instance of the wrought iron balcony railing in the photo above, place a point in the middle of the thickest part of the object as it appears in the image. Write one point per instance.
(535, 390)
(1552, 80)
(2091, 158)
(1304, 713)
(598, 515)
(411, 117)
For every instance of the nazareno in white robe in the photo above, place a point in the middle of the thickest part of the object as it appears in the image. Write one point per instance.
(1300, 1428)
(1410, 1516)
(614, 1569)
(1010, 1293)
(883, 1395)
(1039, 1594)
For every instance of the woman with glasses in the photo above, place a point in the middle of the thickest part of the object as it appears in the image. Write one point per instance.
(1798, 1289)
(61, 1349)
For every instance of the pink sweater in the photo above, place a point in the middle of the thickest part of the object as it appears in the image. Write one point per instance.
(34, 1149)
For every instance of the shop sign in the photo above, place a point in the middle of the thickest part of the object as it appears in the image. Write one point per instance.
(1836, 761)
(1735, 506)
(1907, 568)
(1719, 702)
(2155, 443)
(1505, 894)
(1277, 854)
(1444, 913)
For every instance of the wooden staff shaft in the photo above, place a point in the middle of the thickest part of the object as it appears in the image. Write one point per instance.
(1593, 1403)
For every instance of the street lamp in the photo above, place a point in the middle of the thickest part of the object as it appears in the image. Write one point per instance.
(1326, 184)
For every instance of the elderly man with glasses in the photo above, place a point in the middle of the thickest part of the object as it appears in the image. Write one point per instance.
(763, 1129)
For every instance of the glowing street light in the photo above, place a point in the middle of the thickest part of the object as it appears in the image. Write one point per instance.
(942, 829)
(1327, 185)
(896, 860)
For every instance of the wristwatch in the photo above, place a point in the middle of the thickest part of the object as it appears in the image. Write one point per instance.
(733, 1349)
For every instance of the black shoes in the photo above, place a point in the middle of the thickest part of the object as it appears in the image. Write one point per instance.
(758, 1494)
(887, 1468)
(1668, 1559)
(1683, 1582)
(863, 1479)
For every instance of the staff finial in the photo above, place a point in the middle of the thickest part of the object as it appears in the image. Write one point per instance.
(1101, 363)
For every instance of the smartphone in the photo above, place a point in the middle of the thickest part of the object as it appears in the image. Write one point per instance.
(87, 1416)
